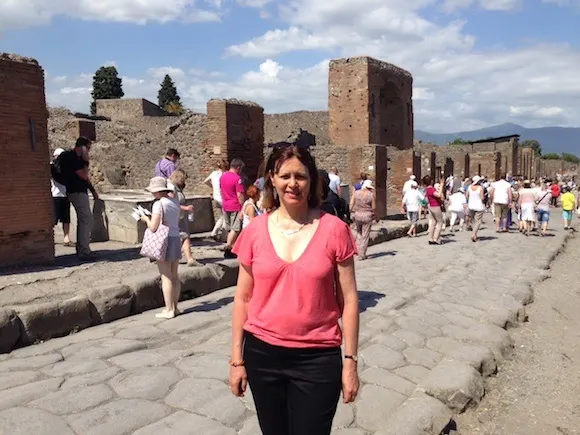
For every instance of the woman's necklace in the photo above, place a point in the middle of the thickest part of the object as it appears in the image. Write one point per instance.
(287, 232)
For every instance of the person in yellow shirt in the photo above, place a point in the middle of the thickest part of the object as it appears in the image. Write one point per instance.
(568, 206)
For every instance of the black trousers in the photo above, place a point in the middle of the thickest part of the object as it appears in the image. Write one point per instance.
(296, 391)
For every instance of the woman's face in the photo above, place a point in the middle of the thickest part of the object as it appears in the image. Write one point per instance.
(292, 182)
(158, 195)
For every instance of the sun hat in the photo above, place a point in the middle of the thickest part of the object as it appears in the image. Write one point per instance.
(414, 184)
(57, 152)
(476, 179)
(158, 184)
(462, 190)
(368, 184)
(412, 177)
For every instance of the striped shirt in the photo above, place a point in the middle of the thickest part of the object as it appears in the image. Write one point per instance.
(164, 168)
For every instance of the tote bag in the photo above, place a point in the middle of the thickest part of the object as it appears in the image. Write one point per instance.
(154, 244)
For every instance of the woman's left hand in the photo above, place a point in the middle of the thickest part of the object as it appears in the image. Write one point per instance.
(350, 381)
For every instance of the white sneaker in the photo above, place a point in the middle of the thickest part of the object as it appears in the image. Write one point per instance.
(165, 315)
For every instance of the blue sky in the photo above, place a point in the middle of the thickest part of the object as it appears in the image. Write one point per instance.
(475, 62)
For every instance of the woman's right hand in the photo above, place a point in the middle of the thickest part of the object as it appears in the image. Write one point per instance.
(238, 380)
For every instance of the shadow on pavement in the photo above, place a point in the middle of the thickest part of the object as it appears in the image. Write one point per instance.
(210, 306)
(382, 254)
(486, 238)
(368, 299)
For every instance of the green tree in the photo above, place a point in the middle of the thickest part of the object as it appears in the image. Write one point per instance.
(107, 85)
(551, 156)
(534, 144)
(570, 158)
(168, 98)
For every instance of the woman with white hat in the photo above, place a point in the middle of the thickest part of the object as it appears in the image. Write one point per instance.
(475, 203)
(527, 204)
(362, 203)
(166, 210)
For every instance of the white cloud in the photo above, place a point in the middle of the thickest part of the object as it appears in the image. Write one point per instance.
(490, 5)
(22, 13)
(253, 3)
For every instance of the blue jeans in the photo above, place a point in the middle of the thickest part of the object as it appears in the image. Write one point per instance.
(543, 216)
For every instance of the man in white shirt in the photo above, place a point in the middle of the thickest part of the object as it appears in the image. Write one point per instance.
(411, 203)
(334, 181)
(458, 208)
(500, 196)
(407, 185)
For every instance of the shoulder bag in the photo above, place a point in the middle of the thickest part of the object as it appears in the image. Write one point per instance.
(154, 244)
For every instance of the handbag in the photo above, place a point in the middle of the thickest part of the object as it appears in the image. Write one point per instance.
(154, 244)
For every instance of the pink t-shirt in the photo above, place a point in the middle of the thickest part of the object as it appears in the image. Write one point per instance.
(431, 198)
(294, 304)
(230, 185)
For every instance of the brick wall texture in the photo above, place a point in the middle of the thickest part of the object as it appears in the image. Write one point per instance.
(26, 214)
(370, 102)
(81, 127)
(236, 130)
(127, 108)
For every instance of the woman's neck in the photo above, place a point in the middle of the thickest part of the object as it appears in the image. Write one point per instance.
(297, 214)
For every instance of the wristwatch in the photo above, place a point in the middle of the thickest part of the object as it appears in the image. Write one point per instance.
(352, 357)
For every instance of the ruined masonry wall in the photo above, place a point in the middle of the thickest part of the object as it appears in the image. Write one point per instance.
(128, 108)
(26, 215)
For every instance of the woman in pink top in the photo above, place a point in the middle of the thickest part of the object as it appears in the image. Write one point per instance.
(296, 281)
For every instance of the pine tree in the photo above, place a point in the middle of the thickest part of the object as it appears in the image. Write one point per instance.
(107, 85)
(168, 97)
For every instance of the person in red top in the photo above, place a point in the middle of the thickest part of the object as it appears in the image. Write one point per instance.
(555, 188)
(232, 191)
(436, 200)
(296, 281)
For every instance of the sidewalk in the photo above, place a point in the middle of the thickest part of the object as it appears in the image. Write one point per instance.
(41, 303)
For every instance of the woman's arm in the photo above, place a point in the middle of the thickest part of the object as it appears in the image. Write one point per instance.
(351, 203)
(152, 222)
(347, 295)
(250, 211)
(240, 310)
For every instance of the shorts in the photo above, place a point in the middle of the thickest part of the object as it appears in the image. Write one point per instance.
(232, 222)
(173, 249)
(567, 214)
(184, 228)
(500, 210)
(544, 216)
(61, 210)
(413, 216)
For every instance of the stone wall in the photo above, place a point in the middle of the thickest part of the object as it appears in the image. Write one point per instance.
(370, 102)
(236, 130)
(26, 214)
(127, 108)
(81, 127)
(403, 164)
(486, 164)
(528, 163)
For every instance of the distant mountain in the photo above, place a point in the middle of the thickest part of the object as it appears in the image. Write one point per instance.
(552, 139)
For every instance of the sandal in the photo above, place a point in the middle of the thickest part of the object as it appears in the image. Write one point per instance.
(68, 244)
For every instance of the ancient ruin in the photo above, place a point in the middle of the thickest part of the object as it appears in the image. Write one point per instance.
(26, 220)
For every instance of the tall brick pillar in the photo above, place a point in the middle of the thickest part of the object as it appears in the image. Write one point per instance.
(370, 102)
(236, 130)
(26, 214)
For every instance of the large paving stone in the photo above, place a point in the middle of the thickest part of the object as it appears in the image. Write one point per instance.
(71, 401)
(185, 423)
(90, 378)
(212, 399)
(146, 358)
(118, 417)
(14, 379)
(209, 366)
(376, 355)
(250, 427)
(414, 374)
(151, 383)
(387, 379)
(9, 330)
(411, 338)
(141, 332)
(26, 421)
(110, 303)
(33, 362)
(189, 322)
(479, 357)
(348, 431)
(390, 341)
(344, 416)
(27, 392)
(74, 367)
(103, 349)
(54, 319)
(422, 357)
(375, 406)
(455, 384)
(497, 338)
(420, 414)
(430, 317)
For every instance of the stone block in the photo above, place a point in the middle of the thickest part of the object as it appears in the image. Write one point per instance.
(9, 330)
(479, 357)
(110, 303)
(455, 384)
(146, 289)
(32, 421)
(185, 422)
(420, 414)
(375, 407)
(54, 319)
(73, 400)
(151, 383)
(27, 392)
(376, 355)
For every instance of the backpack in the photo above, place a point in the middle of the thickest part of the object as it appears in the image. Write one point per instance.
(57, 171)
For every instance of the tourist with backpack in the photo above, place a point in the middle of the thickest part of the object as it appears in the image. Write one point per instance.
(60, 202)
(71, 169)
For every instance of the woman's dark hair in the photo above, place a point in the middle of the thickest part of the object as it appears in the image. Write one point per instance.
(278, 157)
(253, 192)
(82, 142)
(324, 181)
(426, 180)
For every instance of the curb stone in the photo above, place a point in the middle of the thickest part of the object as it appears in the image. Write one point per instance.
(9, 330)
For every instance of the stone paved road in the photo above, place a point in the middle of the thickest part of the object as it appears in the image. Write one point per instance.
(428, 333)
